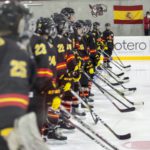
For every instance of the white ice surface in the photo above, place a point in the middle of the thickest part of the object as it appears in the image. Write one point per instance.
(137, 122)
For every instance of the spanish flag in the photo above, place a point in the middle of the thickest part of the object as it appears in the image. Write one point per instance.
(128, 14)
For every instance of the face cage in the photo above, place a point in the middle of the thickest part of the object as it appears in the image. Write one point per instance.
(53, 32)
(63, 28)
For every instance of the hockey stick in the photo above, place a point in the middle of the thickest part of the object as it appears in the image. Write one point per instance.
(113, 84)
(115, 75)
(128, 109)
(87, 134)
(121, 61)
(116, 84)
(121, 137)
(113, 62)
(89, 129)
(84, 102)
(129, 89)
(108, 84)
(120, 93)
(66, 116)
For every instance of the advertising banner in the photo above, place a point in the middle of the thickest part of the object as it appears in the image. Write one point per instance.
(132, 45)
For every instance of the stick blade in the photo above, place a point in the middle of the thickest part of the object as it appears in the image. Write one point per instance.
(121, 74)
(118, 83)
(124, 137)
(129, 66)
(128, 109)
(132, 89)
(127, 92)
(126, 78)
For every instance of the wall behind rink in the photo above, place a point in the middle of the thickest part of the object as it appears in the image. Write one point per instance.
(83, 12)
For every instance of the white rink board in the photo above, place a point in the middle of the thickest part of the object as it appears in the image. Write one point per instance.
(132, 45)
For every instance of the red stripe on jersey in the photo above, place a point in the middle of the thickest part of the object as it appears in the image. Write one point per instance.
(70, 58)
(85, 58)
(44, 72)
(93, 51)
(13, 104)
(61, 66)
(14, 99)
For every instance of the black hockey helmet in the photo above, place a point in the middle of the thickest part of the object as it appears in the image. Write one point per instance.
(61, 22)
(45, 26)
(107, 25)
(67, 11)
(79, 24)
(88, 23)
(11, 14)
(95, 24)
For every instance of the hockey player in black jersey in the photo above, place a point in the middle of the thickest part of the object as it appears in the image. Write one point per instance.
(44, 72)
(69, 13)
(96, 30)
(69, 73)
(91, 48)
(108, 37)
(15, 78)
(47, 95)
(82, 50)
(97, 34)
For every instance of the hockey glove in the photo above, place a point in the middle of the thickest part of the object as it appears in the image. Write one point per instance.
(67, 87)
(56, 103)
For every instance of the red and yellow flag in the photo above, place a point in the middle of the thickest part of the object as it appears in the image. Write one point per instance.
(128, 14)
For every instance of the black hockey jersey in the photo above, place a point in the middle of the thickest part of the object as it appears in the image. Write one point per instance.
(108, 37)
(15, 77)
(81, 46)
(66, 59)
(91, 44)
(45, 63)
(98, 39)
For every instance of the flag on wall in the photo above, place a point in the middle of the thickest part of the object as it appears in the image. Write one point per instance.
(128, 14)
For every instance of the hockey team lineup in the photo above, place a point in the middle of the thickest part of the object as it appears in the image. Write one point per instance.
(64, 86)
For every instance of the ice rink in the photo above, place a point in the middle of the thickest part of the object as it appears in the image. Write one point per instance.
(137, 122)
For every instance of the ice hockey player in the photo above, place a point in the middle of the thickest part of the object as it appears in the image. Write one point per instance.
(47, 95)
(72, 64)
(15, 80)
(69, 13)
(108, 37)
(44, 72)
(96, 32)
(81, 47)
(91, 48)
(65, 67)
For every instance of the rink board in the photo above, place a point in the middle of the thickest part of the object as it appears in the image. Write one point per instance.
(132, 47)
